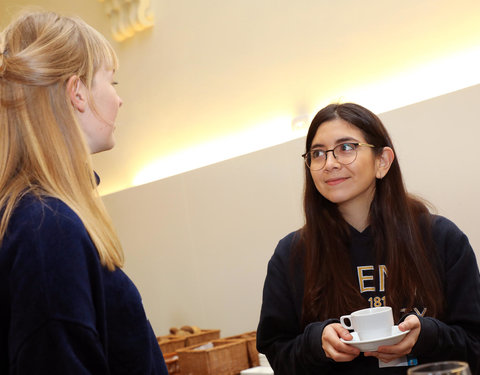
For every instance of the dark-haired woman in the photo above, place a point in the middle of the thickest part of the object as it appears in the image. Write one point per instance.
(366, 243)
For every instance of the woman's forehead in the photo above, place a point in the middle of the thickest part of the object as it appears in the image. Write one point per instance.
(337, 131)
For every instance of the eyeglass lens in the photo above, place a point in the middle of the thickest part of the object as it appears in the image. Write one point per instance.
(344, 153)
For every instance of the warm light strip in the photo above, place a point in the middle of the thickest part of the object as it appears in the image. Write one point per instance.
(430, 80)
(436, 78)
(261, 136)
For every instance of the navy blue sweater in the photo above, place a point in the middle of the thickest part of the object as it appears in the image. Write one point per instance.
(293, 350)
(61, 311)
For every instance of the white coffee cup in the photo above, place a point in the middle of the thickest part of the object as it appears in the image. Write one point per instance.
(371, 323)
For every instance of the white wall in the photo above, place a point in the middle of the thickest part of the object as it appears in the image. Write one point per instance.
(197, 244)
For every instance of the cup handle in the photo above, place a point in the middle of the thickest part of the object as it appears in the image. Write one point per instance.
(342, 321)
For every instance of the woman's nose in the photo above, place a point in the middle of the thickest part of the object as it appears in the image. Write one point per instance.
(331, 161)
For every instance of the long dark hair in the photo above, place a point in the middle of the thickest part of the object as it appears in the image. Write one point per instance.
(399, 224)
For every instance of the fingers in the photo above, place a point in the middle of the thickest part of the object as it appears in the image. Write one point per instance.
(404, 347)
(389, 353)
(334, 348)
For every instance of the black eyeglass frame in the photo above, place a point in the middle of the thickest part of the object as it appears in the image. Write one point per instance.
(356, 144)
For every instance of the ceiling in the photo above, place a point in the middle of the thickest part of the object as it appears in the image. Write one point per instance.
(217, 78)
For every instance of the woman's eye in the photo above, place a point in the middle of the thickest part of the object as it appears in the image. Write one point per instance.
(347, 147)
(317, 154)
(114, 83)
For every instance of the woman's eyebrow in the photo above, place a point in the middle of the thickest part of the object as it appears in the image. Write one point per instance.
(338, 141)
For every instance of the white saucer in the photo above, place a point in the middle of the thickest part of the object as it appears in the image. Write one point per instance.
(373, 344)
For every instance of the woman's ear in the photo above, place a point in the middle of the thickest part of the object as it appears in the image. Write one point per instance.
(384, 161)
(76, 91)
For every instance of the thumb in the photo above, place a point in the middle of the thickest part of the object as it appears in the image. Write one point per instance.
(343, 333)
(409, 323)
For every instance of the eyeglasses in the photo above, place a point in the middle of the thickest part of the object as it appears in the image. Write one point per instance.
(344, 153)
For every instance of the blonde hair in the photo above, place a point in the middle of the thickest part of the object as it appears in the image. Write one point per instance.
(43, 150)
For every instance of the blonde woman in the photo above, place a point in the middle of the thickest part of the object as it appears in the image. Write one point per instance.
(67, 307)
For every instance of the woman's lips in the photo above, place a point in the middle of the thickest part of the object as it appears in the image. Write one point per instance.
(335, 181)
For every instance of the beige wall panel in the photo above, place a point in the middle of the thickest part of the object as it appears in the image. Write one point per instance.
(197, 244)
(238, 211)
(153, 225)
(438, 147)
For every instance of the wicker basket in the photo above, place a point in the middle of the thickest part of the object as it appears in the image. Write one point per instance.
(218, 357)
(170, 343)
(203, 336)
(171, 360)
(251, 338)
